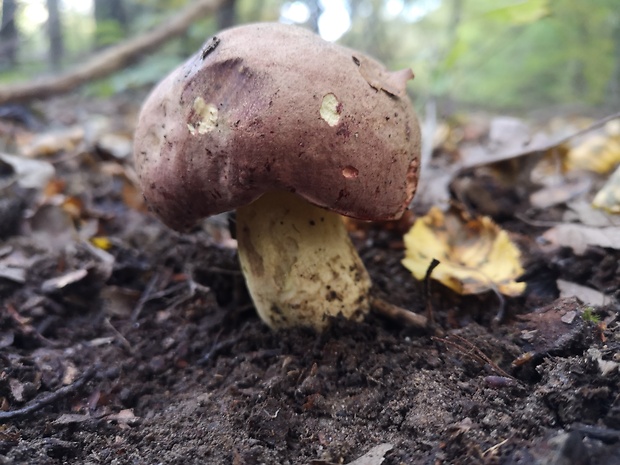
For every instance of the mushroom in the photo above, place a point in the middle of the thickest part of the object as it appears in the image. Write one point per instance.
(292, 132)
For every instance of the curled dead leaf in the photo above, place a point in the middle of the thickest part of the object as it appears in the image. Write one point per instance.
(28, 173)
(475, 255)
(579, 237)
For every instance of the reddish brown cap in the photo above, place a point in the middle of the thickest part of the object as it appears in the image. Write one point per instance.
(268, 107)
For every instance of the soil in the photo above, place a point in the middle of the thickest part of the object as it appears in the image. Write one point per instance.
(156, 356)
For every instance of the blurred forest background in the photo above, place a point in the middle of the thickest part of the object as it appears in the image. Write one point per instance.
(502, 55)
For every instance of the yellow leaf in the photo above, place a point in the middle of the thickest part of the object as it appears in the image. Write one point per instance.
(608, 198)
(475, 256)
(598, 152)
(101, 242)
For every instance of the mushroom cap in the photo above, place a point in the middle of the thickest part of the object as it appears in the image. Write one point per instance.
(267, 107)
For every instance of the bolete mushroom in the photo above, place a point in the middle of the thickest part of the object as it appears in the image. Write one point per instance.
(292, 131)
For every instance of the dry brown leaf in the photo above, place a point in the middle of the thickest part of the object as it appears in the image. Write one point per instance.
(586, 294)
(578, 237)
(30, 174)
(116, 144)
(45, 144)
(475, 255)
(566, 190)
(581, 211)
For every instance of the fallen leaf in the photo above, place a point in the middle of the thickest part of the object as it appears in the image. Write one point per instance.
(50, 143)
(71, 418)
(475, 255)
(560, 194)
(509, 133)
(60, 282)
(17, 389)
(52, 227)
(608, 198)
(606, 367)
(30, 174)
(124, 416)
(374, 456)
(582, 211)
(17, 275)
(101, 242)
(117, 145)
(598, 152)
(118, 301)
(585, 294)
(70, 375)
(578, 237)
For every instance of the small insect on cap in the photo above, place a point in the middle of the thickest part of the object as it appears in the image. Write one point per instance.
(267, 107)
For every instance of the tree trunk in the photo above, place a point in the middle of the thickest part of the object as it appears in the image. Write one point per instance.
(54, 30)
(107, 61)
(226, 16)
(614, 83)
(8, 34)
(316, 10)
(110, 22)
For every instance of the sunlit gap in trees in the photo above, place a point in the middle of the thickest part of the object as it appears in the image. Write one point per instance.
(333, 23)
(35, 11)
(335, 19)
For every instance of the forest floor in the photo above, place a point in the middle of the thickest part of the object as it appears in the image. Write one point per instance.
(122, 342)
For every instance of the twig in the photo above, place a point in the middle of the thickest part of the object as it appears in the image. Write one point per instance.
(218, 347)
(145, 297)
(118, 335)
(529, 150)
(166, 292)
(192, 286)
(403, 315)
(427, 286)
(595, 125)
(495, 448)
(469, 349)
(536, 223)
(47, 399)
(110, 59)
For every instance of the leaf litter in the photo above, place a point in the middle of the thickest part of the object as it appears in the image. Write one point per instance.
(125, 342)
(474, 255)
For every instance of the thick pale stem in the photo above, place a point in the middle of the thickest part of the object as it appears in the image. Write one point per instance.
(299, 263)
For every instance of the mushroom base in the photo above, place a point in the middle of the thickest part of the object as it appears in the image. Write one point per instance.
(299, 263)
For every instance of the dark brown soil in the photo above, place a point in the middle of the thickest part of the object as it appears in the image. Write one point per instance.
(182, 371)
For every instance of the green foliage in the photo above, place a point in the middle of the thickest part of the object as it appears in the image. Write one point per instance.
(532, 53)
(22, 73)
(589, 316)
(515, 54)
(146, 73)
(108, 32)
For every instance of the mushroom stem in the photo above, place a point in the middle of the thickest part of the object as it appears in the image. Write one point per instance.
(299, 263)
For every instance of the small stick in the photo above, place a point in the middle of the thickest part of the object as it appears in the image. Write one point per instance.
(397, 313)
(118, 335)
(218, 347)
(493, 449)
(427, 286)
(145, 297)
(48, 399)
